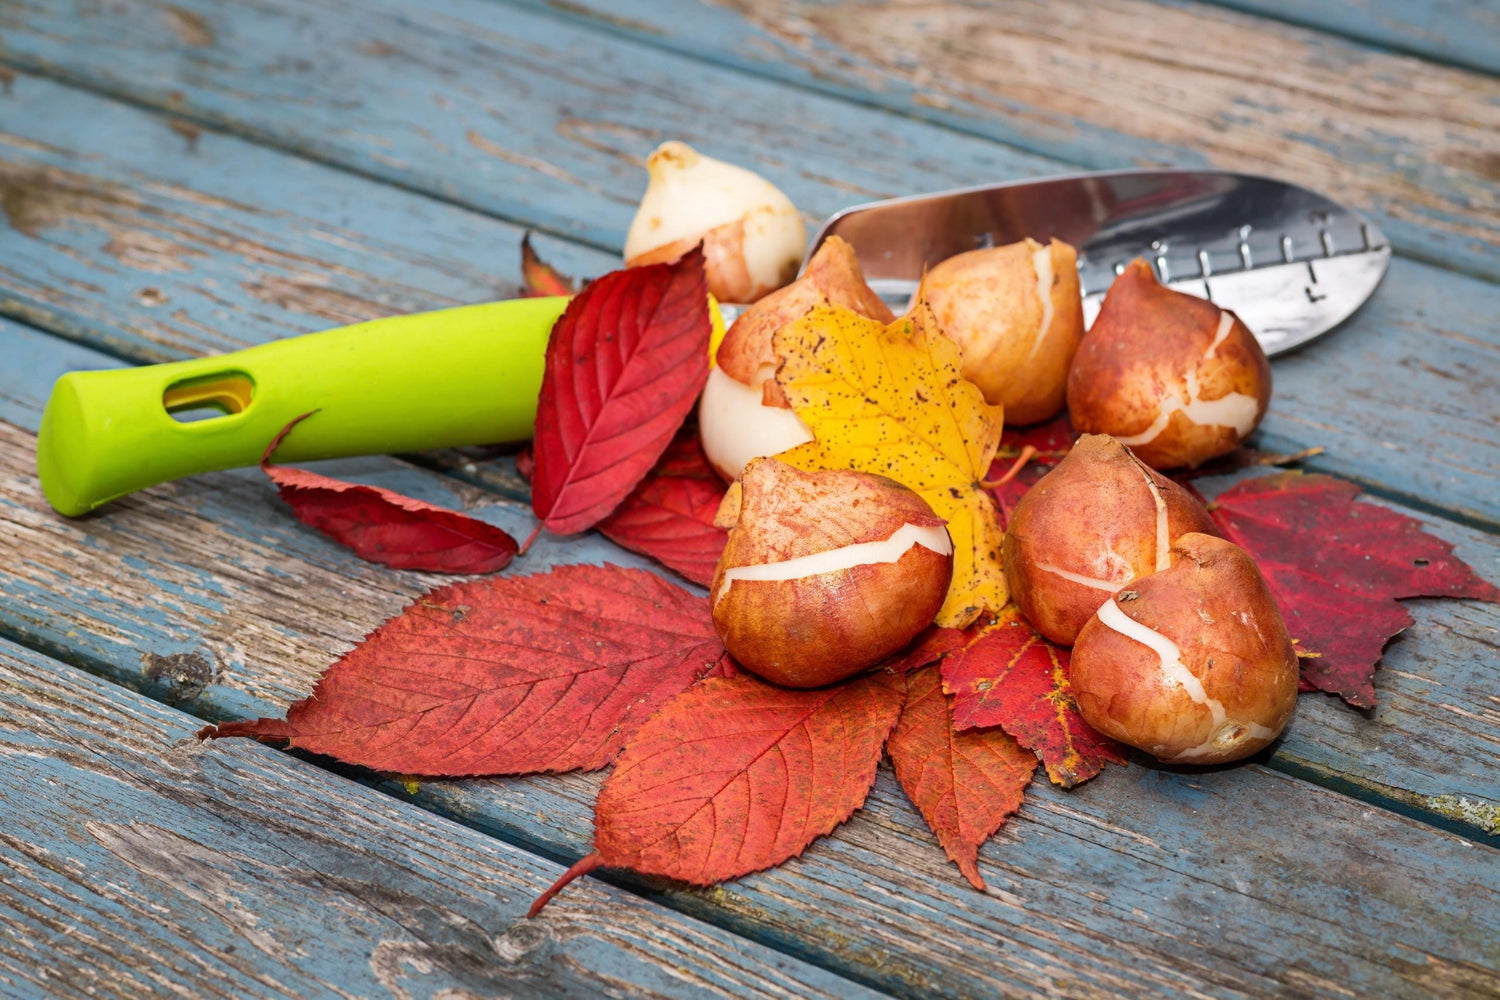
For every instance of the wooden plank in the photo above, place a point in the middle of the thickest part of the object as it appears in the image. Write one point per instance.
(1134, 82)
(155, 241)
(493, 107)
(1147, 881)
(231, 220)
(1460, 32)
(138, 862)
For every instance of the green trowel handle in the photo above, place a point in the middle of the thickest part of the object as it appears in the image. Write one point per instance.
(430, 380)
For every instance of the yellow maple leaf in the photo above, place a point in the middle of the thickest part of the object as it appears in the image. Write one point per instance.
(890, 400)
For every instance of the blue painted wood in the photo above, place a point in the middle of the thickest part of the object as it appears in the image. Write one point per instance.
(1237, 882)
(1461, 32)
(247, 244)
(497, 108)
(1108, 85)
(139, 863)
(157, 242)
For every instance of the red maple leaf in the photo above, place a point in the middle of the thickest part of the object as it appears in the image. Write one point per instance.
(964, 784)
(670, 515)
(625, 364)
(735, 775)
(540, 278)
(386, 527)
(551, 672)
(1337, 568)
(1008, 676)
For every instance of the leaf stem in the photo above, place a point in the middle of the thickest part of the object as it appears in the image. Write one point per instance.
(585, 865)
(529, 539)
(1027, 454)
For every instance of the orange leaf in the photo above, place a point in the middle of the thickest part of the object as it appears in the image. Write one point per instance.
(541, 278)
(735, 775)
(551, 672)
(965, 784)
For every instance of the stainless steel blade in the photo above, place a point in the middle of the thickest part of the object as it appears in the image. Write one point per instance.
(1290, 262)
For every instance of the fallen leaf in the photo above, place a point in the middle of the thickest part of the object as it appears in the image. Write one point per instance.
(386, 527)
(670, 515)
(1025, 455)
(1006, 675)
(551, 672)
(888, 399)
(735, 775)
(540, 278)
(964, 784)
(1336, 567)
(625, 364)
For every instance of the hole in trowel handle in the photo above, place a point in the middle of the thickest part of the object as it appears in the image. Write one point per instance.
(208, 396)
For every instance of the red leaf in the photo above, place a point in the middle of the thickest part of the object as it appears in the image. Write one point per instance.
(1009, 676)
(929, 647)
(386, 527)
(506, 676)
(965, 784)
(670, 515)
(624, 365)
(735, 775)
(1337, 567)
(541, 278)
(1038, 449)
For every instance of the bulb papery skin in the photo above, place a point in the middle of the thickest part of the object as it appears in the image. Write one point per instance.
(1171, 375)
(832, 277)
(1088, 527)
(735, 425)
(752, 235)
(1192, 664)
(826, 573)
(1016, 313)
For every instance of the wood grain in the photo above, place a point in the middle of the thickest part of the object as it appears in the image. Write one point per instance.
(1146, 881)
(118, 230)
(499, 109)
(1461, 32)
(1404, 397)
(137, 862)
(1133, 83)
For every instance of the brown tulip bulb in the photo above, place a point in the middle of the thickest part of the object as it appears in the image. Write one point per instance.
(743, 413)
(826, 573)
(1171, 375)
(1192, 664)
(1094, 523)
(1017, 315)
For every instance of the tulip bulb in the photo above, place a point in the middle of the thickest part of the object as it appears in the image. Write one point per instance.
(1192, 664)
(826, 573)
(752, 235)
(743, 413)
(1173, 376)
(1088, 527)
(1016, 313)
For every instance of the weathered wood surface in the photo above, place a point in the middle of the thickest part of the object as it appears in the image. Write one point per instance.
(1133, 82)
(1242, 882)
(154, 240)
(248, 244)
(1145, 881)
(136, 862)
(497, 108)
(1462, 32)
